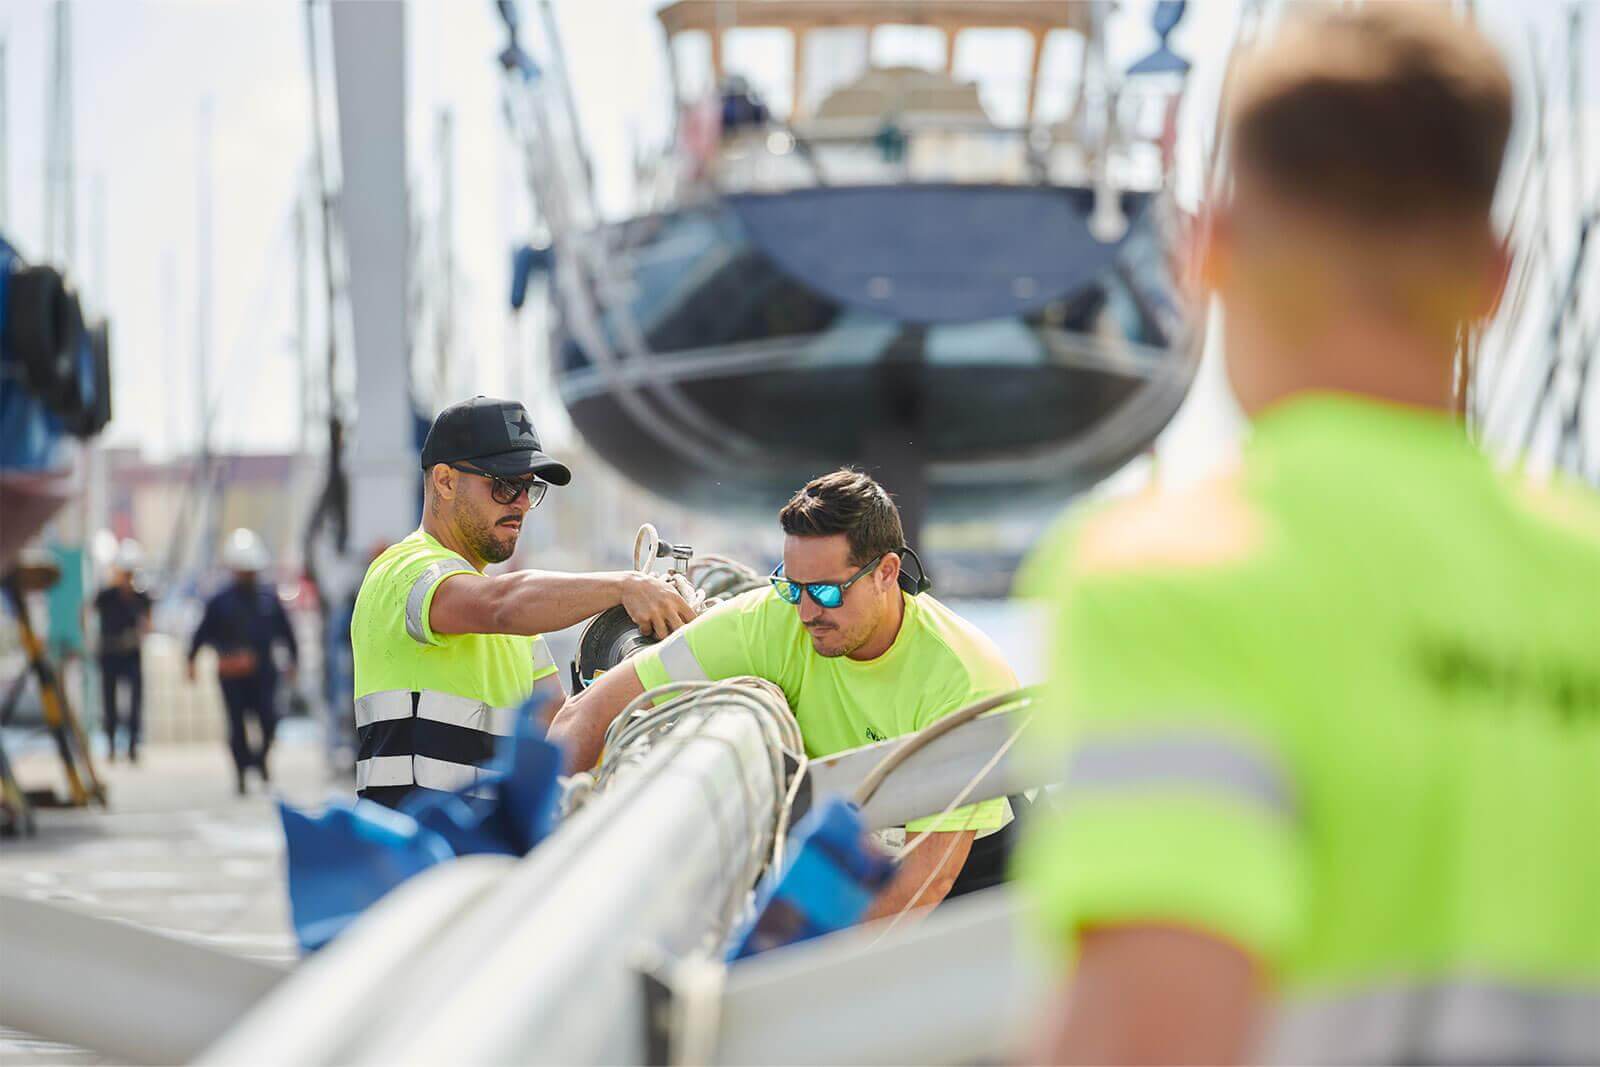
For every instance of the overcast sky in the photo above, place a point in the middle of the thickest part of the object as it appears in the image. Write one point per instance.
(145, 69)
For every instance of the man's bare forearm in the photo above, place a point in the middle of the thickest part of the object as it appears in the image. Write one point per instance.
(938, 853)
(1153, 994)
(580, 726)
(541, 602)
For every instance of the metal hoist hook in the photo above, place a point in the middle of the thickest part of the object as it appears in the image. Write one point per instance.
(648, 547)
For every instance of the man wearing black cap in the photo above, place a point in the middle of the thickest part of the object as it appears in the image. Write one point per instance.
(444, 655)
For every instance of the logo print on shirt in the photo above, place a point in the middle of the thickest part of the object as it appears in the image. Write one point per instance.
(874, 735)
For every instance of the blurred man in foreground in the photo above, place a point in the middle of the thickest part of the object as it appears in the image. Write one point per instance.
(859, 658)
(1331, 791)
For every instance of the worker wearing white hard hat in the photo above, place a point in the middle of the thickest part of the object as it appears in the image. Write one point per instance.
(244, 552)
(245, 624)
(123, 612)
(129, 556)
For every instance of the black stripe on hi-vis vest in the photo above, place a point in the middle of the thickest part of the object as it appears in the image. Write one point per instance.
(387, 737)
(455, 744)
(392, 796)
(423, 737)
(426, 737)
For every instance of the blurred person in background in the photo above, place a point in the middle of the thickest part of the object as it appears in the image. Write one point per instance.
(1329, 723)
(123, 612)
(245, 625)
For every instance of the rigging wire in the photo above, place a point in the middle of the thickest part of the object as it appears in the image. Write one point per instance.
(719, 576)
(930, 733)
(643, 724)
(916, 842)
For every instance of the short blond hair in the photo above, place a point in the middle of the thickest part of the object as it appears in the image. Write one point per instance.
(1394, 113)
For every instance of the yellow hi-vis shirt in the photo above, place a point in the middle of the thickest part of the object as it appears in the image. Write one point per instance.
(938, 664)
(1341, 709)
(430, 707)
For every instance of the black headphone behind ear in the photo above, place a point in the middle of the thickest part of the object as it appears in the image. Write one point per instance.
(919, 584)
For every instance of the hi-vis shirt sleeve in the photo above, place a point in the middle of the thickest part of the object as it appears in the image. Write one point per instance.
(714, 646)
(1178, 804)
(417, 583)
(544, 664)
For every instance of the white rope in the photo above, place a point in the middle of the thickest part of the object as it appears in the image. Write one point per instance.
(916, 842)
(643, 723)
(720, 577)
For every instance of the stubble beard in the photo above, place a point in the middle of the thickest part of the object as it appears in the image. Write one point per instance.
(843, 642)
(490, 542)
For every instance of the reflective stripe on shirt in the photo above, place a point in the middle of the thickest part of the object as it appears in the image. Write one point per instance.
(452, 777)
(679, 661)
(400, 746)
(436, 707)
(543, 662)
(383, 707)
(1448, 1022)
(378, 771)
(416, 625)
(1187, 759)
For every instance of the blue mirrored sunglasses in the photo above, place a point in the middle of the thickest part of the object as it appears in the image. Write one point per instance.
(823, 594)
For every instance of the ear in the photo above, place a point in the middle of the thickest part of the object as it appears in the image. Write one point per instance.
(1206, 253)
(889, 570)
(444, 480)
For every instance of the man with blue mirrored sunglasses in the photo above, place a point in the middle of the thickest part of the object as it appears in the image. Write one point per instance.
(859, 654)
(823, 594)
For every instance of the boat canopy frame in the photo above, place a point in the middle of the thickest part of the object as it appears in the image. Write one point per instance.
(1035, 17)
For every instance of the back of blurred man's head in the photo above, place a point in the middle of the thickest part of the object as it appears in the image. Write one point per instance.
(1365, 148)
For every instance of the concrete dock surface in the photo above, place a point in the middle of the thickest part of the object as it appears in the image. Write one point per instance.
(177, 851)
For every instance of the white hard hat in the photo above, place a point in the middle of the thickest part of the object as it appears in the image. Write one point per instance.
(103, 548)
(130, 555)
(244, 552)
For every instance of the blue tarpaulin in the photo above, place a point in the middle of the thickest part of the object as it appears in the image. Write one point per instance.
(828, 883)
(345, 859)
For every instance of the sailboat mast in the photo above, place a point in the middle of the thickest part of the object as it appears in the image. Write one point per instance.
(60, 240)
(202, 332)
(444, 317)
(5, 141)
(302, 321)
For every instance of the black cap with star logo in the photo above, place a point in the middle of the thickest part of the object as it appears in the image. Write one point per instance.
(495, 436)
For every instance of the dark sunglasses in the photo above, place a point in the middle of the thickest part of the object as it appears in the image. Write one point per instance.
(823, 594)
(506, 491)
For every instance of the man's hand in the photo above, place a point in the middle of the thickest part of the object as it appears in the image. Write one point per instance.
(931, 871)
(654, 605)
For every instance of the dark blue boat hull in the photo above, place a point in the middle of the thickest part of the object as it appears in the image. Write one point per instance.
(974, 344)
